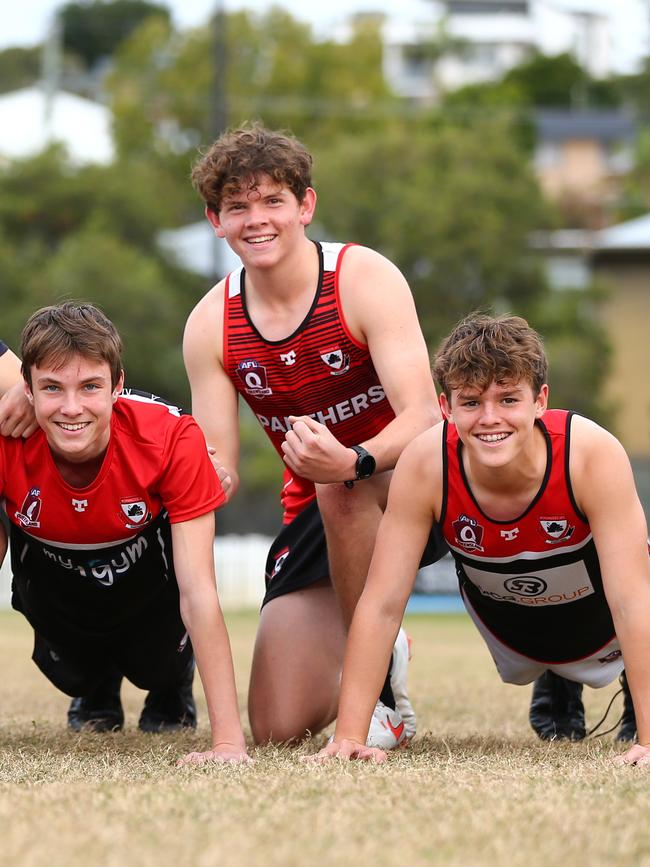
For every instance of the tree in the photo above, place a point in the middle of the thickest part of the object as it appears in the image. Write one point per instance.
(19, 67)
(451, 205)
(91, 233)
(93, 29)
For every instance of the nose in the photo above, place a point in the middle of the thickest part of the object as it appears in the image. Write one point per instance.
(490, 413)
(70, 403)
(255, 214)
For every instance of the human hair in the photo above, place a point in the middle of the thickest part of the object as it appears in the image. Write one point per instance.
(483, 349)
(55, 334)
(238, 159)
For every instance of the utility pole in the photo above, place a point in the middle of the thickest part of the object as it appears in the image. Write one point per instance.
(219, 100)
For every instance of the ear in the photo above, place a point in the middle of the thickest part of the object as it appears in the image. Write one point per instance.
(541, 401)
(445, 406)
(308, 206)
(119, 385)
(215, 222)
(28, 392)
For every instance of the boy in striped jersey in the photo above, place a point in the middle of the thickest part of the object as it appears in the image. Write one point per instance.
(323, 341)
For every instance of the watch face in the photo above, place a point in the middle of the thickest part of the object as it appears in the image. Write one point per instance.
(365, 466)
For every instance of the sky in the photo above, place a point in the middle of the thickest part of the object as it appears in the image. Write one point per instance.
(26, 23)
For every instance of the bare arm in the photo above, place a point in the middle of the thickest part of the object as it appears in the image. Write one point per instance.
(214, 398)
(201, 613)
(380, 312)
(413, 505)
(605, 491)
(16, 413)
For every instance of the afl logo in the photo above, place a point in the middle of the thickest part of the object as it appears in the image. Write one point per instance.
(525, 585)
(253, 376)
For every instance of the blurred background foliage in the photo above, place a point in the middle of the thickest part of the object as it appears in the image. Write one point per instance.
(448, 193)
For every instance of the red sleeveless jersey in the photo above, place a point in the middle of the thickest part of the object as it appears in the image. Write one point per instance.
(534, 581)
(320, 370)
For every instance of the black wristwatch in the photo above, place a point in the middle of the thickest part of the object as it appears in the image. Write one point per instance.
(364, 467)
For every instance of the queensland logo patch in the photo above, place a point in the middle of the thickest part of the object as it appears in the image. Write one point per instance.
(336, 360)
(469, 533)
(254, 378)
(556, 530)
(31, 509)
(134, 512)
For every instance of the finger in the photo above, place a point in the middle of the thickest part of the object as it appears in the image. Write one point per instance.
(310, 423)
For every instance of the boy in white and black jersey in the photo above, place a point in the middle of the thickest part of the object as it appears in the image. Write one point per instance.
(110, 504)
(541, 514)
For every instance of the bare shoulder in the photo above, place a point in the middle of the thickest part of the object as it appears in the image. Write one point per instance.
(590, 442)
(363, 266)
(598, 462)
(204, 325)
(375, 296)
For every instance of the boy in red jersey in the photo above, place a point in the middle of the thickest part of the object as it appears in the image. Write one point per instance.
(323, 341)
(541, 514)
(110, 504)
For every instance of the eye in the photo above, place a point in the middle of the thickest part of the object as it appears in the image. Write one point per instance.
(91, 386)
(50, 389)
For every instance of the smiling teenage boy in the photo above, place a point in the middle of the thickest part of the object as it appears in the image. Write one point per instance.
(542, 517)
(322, 340)
(111, 505)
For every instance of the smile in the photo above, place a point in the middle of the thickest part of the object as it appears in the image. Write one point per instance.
(492, 438)
(72, 427)
(262, 239)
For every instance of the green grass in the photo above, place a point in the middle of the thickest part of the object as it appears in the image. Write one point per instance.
(475, 788)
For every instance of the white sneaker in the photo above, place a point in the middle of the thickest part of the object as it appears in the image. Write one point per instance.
(387, 730)
(401, 656)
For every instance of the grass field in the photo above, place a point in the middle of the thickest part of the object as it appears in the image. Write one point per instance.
(475, 787)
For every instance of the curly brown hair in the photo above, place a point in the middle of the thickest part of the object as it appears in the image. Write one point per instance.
(239, 157)
(483, 349)
(54, 334)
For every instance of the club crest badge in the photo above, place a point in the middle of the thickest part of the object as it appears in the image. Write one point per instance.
(134, 512)
(556, 530)
(254, 378)
(31, 509)
(336, 360)
(469, 533)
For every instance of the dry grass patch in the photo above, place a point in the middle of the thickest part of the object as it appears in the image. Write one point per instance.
(475, 787)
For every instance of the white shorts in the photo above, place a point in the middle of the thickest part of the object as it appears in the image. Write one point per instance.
(596, 670)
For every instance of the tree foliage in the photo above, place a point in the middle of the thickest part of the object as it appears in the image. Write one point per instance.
(91, 233)
(93, 29)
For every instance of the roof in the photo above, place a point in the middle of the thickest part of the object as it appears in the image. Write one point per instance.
(30, 121)
(606, 125)
(631, 235)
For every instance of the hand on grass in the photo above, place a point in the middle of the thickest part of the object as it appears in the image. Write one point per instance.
(220, 753)
(345, 751)
(636, 755)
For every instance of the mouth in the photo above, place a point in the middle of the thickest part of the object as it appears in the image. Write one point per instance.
(72, 427)
(493, 437)
(260, 239)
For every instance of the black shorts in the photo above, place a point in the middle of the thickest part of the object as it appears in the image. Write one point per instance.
(298, 555)
(152, 651)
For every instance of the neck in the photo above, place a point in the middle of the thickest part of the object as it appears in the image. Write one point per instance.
(288, 280)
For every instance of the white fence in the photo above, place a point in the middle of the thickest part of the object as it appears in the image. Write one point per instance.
(239, 561)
